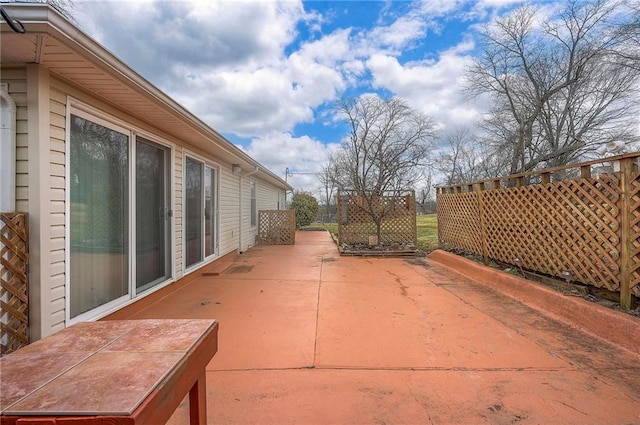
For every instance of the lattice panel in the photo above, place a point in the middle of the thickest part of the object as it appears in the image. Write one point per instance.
(398, 225)
(277, 227)
(14, 284)
(459, 221)
(566, 229)
(634, 212)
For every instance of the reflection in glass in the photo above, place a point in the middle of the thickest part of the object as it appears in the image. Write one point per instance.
(209, 211)
(99, 208)
(152, 221)
(193, 211)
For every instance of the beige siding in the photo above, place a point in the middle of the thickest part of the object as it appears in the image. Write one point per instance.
(177, 211)
(228, 210)
(17, 81)
(58, 106)
(267, 196)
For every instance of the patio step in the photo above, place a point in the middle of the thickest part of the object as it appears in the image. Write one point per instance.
(217, 270)
(219, 266)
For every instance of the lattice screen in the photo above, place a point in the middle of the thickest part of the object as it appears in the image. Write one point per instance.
(570, 229)
(277, 227)
(397, 227)
(634, 231)
(459, 220)
(14, 284)
(565, 229)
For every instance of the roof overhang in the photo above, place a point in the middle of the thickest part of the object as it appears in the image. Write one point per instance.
(58, 45)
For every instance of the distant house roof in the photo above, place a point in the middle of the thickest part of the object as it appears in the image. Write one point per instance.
(58, 45)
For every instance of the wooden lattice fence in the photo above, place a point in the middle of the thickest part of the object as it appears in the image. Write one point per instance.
(355, 225)
(14, 283)
(277, 227)
(584, 229)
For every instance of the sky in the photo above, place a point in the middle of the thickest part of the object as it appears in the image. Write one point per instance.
(267, 74)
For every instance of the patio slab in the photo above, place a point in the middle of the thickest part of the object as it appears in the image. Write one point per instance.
(308, 337)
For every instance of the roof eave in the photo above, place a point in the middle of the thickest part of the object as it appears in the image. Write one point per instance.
(60, 27)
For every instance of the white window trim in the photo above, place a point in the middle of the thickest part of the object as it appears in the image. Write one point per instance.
(205, 259)
(253, 213)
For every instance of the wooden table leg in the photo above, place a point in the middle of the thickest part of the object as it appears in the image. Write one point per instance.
(198, 401)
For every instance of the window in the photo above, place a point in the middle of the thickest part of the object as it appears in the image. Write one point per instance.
(254, 206)
(118, 215)
(200, 211)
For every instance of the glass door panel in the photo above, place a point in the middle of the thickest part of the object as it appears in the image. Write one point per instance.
(98, 219)
(209, 211)
(193, 211)
(152, 214)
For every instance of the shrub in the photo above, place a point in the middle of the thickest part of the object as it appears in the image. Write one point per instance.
(306, 207)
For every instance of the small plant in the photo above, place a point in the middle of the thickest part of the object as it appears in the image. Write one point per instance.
(306, 207)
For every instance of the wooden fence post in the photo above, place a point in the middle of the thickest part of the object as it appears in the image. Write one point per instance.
(626, 167)
(483, 232)
(439, 192)
(339, 217)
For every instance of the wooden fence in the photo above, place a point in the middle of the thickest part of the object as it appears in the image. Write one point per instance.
(579, 223)
(355, 225)
(277, 227)
(14, 282)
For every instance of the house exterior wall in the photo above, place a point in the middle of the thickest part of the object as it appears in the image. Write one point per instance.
(268, 196)
(229, 211)
(248, 236)
(43, 103)
(178, 217)
(56, 276)
(16, 78)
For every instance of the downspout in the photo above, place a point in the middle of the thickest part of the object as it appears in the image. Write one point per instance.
(7, 151)
(250, 173)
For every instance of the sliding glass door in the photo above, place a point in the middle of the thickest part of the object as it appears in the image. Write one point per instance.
(152, 214)
(200, 211)
(117, 248)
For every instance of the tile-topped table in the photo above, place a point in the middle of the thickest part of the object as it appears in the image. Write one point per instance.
(115, 372)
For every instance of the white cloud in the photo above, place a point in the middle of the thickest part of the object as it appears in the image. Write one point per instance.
(303, 156)
(242, 67)
(431, 86)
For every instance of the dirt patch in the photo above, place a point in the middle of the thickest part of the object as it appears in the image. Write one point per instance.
(239, 269)
(418, 261)
(574, 290)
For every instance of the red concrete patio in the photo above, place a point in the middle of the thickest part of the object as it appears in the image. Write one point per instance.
(308, 337)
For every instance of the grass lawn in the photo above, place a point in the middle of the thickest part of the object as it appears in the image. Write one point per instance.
(427, 225)
(427, 231)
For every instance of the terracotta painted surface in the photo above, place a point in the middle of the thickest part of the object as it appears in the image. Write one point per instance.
(107, 368)
(308, 337)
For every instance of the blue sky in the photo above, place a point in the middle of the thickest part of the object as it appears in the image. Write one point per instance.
(267, 74)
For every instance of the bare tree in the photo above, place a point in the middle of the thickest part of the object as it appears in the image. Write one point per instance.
(461, 161)
(328, 177)
(424, 195)
(387, 145)
(560, 87)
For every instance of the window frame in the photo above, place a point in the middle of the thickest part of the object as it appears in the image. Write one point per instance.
(206, 259)
(253, 204)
